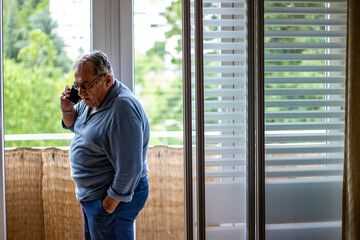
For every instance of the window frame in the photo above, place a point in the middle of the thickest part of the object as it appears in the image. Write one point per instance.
(117, 42)
(2, 166)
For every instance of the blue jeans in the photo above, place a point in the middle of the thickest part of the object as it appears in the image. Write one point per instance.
(101, 225)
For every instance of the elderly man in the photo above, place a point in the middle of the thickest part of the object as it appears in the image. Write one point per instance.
(108, 151)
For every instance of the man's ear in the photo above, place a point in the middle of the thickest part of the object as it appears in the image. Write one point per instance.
(108, 79)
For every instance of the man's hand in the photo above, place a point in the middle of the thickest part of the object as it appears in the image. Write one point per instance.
(66, 104)
(67, 108)
(110, 204)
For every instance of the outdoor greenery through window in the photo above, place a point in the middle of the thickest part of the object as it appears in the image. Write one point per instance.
(41, 40)
(158, 77)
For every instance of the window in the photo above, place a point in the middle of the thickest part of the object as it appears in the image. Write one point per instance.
(41, 41)
(304, 49)
(304, 118)
(225, 117)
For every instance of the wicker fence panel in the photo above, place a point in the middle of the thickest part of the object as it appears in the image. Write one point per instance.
(163, 214)
(62, 212)
(24, 210)
(41, 202)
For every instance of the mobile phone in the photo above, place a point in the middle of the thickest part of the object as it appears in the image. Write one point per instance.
(74, 96)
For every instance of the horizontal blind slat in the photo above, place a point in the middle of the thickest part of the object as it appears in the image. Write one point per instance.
(223, 1)
(308, 1)
(304, 171)
(224, 11)
(224, 116)
(303, 91)
(225, 104)
(225, 46)
(304, 126)
(235, 80)
(304, 148)
(225, 162)
(233, 92)
(304, 114)
(304, 103)
(299, 57)
(223, 69)
(297, 68)
(288, 33)
(223, 34)
(304, 160)
(303, 137)
(303, 11)
(223, 22)
(304, 45)
(226, 69)
(225, 127)
(281, 80)
(225, 57)
(305, 22)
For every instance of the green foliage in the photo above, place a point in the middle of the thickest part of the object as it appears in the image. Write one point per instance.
(159, 95)
(39, 53)
(35, 70)
(31, 99)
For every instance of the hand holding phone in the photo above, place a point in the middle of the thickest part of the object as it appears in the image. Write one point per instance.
(74, 95)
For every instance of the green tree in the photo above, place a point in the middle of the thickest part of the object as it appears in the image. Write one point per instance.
(22, 17)
(34, 69)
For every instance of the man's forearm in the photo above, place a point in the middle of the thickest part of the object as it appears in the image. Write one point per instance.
(69, 117)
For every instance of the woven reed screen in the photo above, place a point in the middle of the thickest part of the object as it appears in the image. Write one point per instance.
(163, 215)
(24, 210)
(62, 212)
(41, 203)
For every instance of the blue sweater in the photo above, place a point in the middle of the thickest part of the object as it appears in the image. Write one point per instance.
(108, 151)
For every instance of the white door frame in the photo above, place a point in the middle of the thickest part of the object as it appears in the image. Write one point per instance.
(2, 165)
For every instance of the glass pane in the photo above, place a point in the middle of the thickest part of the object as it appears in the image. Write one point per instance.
(41, 41)
(225, 96)
(158, 85)
(304, 118)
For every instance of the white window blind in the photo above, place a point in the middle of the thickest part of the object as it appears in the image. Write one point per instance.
(305, 45)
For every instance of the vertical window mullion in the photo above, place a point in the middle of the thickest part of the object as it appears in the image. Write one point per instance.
(187, 109)
(260, 122)
(2, 166)
(200, 141)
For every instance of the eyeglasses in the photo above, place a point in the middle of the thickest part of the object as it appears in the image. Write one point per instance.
(86, 85)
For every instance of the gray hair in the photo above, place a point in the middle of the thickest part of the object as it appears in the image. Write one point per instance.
(99, 59)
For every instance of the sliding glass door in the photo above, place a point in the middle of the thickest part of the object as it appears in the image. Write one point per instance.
(304, 118)
(219, 86)
(266, 75)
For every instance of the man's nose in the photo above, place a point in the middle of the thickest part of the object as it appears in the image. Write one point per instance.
(81, 91)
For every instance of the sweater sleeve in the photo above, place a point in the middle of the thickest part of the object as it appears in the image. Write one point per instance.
(125, 153)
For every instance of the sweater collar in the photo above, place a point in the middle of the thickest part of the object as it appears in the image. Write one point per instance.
(111, 96)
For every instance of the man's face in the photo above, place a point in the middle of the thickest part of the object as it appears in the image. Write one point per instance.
(97, 91)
